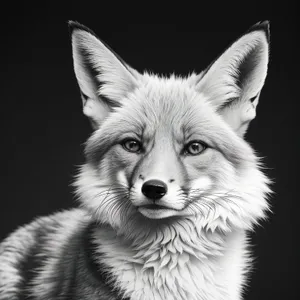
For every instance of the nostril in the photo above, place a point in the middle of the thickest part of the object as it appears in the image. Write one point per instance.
(154, 189)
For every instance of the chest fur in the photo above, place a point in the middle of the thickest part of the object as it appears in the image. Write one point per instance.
(174, 269)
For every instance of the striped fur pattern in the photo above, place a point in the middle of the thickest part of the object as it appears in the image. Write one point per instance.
(184, 237)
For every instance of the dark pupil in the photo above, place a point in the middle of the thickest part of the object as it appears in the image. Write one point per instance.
(195, 147)
(132, 144)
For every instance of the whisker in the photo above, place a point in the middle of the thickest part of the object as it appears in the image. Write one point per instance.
(208, 201)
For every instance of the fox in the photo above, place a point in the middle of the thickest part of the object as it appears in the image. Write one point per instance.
(169, 190)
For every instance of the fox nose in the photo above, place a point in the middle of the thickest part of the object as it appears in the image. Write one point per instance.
(154, 189)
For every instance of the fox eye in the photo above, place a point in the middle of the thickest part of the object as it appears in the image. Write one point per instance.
(194, 148)
(132, 145)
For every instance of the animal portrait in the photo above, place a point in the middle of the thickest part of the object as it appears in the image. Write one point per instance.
(170, 188)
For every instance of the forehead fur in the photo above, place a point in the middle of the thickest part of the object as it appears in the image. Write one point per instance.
(166, 101)
(174, 107)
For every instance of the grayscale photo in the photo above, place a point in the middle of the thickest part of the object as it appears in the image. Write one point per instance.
(149, 161)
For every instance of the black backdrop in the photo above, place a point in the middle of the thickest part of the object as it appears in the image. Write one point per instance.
(44, 130)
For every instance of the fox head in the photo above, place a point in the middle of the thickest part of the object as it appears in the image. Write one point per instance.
(171, 149)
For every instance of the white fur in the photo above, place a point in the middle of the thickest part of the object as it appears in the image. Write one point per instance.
(117, 77)
(213, 199)
(9, 275)
(201, 255)
(24, 240)
(219, 80)
(196, 261)
(70, 222)
(173, 265)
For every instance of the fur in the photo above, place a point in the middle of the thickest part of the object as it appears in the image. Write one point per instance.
(194, 244)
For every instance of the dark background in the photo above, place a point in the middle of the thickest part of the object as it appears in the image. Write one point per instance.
(44, 129)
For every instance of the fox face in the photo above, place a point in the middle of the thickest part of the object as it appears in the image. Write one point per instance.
(165, 150)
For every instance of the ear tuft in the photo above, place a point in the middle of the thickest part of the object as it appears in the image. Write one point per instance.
(74, 25)
(261, 26)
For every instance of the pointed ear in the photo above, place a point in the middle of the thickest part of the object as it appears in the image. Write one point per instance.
(233, 82)
(103, 78)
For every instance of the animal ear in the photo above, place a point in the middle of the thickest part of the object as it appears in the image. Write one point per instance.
(103, 78)
(234, 81)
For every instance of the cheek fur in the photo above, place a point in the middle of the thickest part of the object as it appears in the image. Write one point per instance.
(201, 184)
(208, 170)
(198, 166)
(222, 171)
(122, 161)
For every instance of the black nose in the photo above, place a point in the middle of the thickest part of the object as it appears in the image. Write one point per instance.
(154, 189)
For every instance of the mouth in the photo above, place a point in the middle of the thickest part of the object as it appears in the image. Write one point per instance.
(153, 206)
(154, 211)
